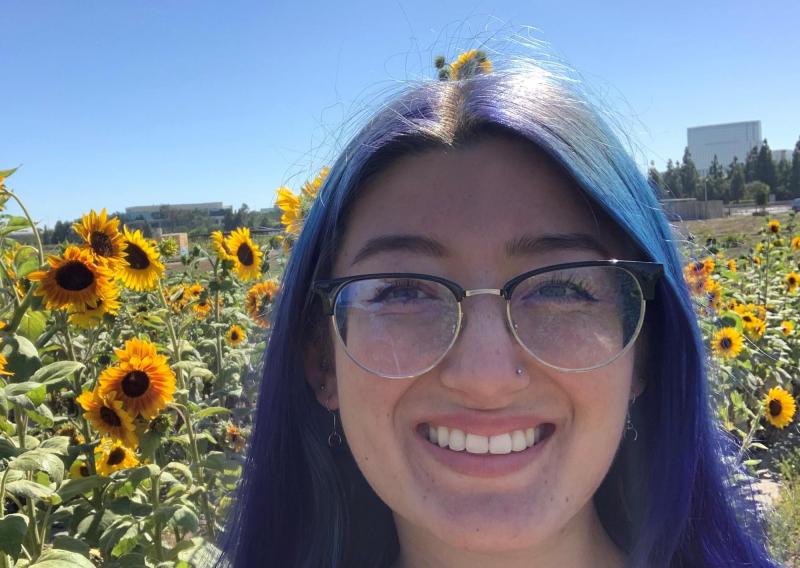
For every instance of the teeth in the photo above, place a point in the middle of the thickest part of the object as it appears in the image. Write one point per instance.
(458, 440)
(477, 444)
(518, 442)
(500, 444)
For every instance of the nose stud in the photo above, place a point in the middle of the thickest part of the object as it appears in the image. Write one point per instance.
(519, 371)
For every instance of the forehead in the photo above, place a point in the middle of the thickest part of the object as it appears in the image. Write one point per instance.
(473, 200)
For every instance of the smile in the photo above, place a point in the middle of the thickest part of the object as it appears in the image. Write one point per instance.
(501, 444)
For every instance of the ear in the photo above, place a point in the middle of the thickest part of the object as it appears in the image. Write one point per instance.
(321, 374)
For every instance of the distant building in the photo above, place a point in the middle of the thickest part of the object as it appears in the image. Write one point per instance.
(157, 215)
(778, 155)
(724, 140)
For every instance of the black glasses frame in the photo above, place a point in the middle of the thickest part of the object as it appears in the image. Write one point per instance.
(647, 275)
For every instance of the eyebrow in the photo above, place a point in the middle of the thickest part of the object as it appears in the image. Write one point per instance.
(525, 245)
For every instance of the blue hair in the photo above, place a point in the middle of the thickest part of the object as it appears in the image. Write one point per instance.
(669, 499)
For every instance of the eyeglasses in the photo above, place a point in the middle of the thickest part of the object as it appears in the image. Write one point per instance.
(576, 316)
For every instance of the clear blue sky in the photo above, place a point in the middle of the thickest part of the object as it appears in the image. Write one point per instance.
(144, 102)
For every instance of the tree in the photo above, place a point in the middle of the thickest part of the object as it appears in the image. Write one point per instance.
(672, 180)
(794, 176)
(689, 177)
(750, 165)
(715, 181)
(736, 187)
(783, 174)
(655, 178)
(765, 167)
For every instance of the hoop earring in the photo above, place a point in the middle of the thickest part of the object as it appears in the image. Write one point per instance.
(334, 438)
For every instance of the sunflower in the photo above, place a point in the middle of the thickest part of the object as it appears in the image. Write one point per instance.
(258, 299)
(757, 328)
(235, 335)
(732, 265)
(177, 297)
(108, 417)
(289, 204)
(234, 437)
(142, 379)
(792, 281)
(142, 268)
(695, 269)
(787, 327)
(698, 285)
(779, 407)
(727, 343)
(73, 280)
(774, 227)
(92, 316)
(757, 260)
(246, 255)
(220, 246)
(796, 243)
(112, 456)
(202, 308)
(469, 64)
(102, 237)
(3, 363)
(78, 469)
(310, 189)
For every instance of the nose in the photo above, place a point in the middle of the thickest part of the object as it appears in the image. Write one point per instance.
(482, 364)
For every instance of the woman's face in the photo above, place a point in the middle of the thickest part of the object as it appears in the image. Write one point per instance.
(472, 202)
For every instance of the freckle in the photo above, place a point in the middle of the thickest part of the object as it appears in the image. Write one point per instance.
(551, 498)
(567, 499)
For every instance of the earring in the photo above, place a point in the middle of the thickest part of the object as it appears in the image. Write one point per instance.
(629, 427)
(334, 438)
(519, 371)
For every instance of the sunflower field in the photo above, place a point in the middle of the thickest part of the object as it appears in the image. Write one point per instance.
(126, 388)
(127, 382)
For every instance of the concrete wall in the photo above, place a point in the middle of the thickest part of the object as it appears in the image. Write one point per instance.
(690, 209)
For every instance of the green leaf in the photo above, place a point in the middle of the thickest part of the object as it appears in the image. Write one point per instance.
(183, 469)
(32, 391)
(74, 487)
(211, 411)
(56, 373)
(14, 223)
(32, 325)
(127, 541)
(23, 359)
(56, 444)
(7, 173)
(40, 460)
(55, 558)
(185, 519)
(42, 415)
(64, 542)
(12, 532)
(8, 449)
(139, 474)
(24, 489)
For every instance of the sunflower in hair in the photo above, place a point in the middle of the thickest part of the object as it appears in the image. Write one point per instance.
(258, 299)
(142, 268)
(779, 407)
(468, 64)
(246, 254)
(73, 280)
(111, 456)
(142, 379)
(101, 236)
(108, 417)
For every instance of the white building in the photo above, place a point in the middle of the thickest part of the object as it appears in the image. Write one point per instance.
(154, 215)
(724, 140)
(778, 155)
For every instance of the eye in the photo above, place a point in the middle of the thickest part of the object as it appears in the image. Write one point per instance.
(556, 289)
(403, 291)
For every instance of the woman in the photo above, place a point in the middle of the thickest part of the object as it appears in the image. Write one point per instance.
(460, 373)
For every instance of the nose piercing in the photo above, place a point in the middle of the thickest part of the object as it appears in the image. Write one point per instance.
(519, 371)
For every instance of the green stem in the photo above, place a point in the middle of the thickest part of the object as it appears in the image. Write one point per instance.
(45, 527)
(33, 225)
(19, 311)
(155, 498)
(22, 425)
(198, 470)
(218, 318)
(747, 440)
(172, 336)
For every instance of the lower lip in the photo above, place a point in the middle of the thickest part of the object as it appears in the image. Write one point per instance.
(486, 466)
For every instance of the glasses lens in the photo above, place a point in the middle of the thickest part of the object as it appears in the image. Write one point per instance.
(396, 327)
(578, 318)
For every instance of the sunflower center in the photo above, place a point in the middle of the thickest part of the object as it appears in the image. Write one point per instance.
(110, 417)
(84, 471)
(137, 258)
(101, 243)
(115, 456)
(245, 254)
(74, 276)
(726, 343)
(775, 407)
(135, 383)
(234, 336)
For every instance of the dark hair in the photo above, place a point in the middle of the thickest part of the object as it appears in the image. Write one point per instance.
(669, 499)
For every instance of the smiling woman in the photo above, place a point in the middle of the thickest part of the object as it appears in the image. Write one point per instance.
(483, 302)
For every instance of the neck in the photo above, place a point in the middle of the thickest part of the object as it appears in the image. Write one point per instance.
(582, 543)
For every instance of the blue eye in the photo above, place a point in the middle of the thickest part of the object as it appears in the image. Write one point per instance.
(561, 290)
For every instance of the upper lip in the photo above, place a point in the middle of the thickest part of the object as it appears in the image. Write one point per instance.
(485, 424)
